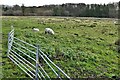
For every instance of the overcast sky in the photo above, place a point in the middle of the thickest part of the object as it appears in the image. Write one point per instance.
(47, 2)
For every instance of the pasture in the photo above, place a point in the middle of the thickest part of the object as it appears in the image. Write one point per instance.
(82, 47)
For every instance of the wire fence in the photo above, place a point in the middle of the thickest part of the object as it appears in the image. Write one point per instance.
(32, 60)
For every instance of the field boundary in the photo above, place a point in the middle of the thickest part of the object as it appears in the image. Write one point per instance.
(30, 60)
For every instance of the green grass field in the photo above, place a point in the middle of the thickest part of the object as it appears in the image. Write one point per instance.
(84, 47)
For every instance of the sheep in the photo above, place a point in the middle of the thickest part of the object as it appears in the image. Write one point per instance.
(35, 29)
(115, 22)
(49, 31)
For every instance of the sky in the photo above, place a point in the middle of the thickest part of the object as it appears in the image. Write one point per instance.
(47, 2)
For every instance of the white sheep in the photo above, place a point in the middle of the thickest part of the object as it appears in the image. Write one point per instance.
(49, 31)
(35, 29)
(115, 22)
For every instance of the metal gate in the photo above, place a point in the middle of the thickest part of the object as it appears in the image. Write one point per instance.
(32, 60)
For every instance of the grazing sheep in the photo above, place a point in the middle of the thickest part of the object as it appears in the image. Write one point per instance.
(115, 22)
(35, 29)
(49, 31)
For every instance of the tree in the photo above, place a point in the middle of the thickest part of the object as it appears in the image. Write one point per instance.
(23, 9)
(16, 7)
(57, 11)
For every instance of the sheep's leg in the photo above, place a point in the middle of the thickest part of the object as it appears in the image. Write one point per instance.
(45, 32)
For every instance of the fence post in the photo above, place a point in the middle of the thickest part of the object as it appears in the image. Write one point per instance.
(12, 28)
(10, 39)
(8, 44)
(37, 62)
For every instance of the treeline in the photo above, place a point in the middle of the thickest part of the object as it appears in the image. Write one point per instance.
(69, 9)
